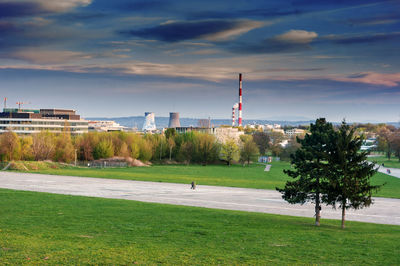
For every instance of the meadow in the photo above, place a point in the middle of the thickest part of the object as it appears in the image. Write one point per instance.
(252, 176)
(40, 228)
(392, 163)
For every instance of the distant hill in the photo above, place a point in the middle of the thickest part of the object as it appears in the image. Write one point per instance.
(162, 122)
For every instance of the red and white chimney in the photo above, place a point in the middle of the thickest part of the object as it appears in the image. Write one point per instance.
(240, 100)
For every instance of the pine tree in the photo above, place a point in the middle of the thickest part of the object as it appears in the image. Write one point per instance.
(350, 173)
(310, 168)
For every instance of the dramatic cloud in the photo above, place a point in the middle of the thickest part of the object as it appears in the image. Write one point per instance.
(291, 41)
(213, 30)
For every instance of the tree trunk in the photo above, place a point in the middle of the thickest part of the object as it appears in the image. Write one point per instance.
(343, 214)
(317, 213)
(317, 205)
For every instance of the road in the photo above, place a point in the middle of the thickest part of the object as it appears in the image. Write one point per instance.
(384, 210)
(393, 171)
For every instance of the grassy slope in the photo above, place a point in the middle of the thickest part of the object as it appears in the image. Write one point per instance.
(57, 229)
(218, 175)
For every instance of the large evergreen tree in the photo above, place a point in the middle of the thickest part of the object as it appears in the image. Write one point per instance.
(310, 168)
(349, 173)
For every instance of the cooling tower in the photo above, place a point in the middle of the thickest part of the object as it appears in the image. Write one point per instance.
(149, 122)
(174, 120)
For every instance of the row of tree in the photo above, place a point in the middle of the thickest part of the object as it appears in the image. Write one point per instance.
(388, 139)
(189, 147)
(330, 168)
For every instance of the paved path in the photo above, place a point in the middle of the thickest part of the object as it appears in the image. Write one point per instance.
(393, 171)
(385, 211)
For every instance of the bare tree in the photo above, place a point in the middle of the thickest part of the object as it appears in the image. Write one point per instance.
(9, 145)
(43, 146)
(171, 146)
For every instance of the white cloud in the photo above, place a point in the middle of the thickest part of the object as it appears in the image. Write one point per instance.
(297, 36)
(242, 27)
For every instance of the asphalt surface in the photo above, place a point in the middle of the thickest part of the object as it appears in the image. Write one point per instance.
(393, 171)
(383, 211)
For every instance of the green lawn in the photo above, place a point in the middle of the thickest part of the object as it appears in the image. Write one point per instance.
(218, 175)
(40, 228)
(392, 163)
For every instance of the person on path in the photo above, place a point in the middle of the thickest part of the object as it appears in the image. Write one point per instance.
(193, 185)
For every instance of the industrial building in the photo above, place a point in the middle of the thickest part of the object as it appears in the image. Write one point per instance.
(29, 121)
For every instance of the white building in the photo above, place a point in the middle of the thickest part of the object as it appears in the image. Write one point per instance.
(294, 132)
(223, 134)
(105, 126)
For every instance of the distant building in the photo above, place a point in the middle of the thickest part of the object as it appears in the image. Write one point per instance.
(105, 126)
(279, 130)
(182, 130)
(222, 134)
(269, 127)
(294, 132)
(29, 121)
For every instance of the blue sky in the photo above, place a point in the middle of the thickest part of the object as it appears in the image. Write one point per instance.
(301, 58)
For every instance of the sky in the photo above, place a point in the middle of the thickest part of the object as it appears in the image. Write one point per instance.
(300, 59)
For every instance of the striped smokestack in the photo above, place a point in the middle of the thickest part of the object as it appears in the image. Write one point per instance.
(240, 100)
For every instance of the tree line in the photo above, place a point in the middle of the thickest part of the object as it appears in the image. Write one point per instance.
(191, 147)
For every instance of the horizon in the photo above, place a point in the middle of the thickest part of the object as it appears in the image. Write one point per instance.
(300, 58)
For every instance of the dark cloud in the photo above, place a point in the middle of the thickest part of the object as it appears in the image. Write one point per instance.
(360, 39)
(187, 30)
(7, 28)
(270, 46)
(145, 5)
(9, 9)
(248, 13)
(130, 6)
(81, 16)
(375, 20)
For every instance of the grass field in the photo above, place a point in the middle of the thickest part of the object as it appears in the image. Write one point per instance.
(392, 163)
(40, 228)
(218, 175)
